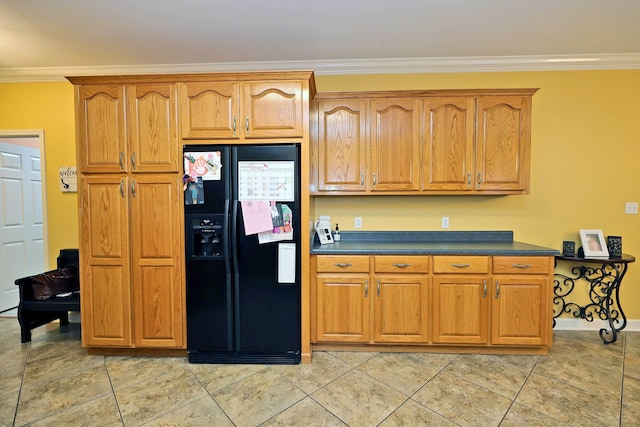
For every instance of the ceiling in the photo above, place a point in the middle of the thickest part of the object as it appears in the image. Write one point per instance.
(45, 40)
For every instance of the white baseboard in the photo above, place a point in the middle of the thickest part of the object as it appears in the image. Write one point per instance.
(567, 324)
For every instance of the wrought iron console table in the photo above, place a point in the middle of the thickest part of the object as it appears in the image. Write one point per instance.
(604, 277)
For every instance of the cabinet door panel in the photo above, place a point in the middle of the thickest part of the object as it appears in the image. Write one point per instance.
(152, 128)
(343, 310)
(157, 255)
(104, 257)
(395, 144)
(460, 310)
(503, 150)
(342, 136)
(401, 308)
(101, 129)
(106, 299)
(272, 110)
(449, 143)
(209, 110)
(520, 311)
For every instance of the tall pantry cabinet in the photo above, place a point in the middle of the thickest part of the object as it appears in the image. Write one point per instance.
(131, 240)
(130, 131)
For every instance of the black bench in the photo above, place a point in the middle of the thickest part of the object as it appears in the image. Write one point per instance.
(33, 313)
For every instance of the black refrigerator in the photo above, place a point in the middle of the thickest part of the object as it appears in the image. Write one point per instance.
(242, 274)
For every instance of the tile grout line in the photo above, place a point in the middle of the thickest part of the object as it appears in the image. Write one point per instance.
(513, 401)
(24, 372)
(351, 369)
(113, 391)
(435, 375)
(208, 394)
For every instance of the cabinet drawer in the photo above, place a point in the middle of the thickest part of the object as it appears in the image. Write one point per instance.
(521, 265)
(460, 264)
(401, 264)
(345, 264)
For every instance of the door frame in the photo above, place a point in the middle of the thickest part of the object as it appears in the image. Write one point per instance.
(36, 133)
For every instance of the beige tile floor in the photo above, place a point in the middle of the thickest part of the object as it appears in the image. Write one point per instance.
(582, 382)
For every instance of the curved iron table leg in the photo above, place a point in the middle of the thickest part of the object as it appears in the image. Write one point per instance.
(604, 294)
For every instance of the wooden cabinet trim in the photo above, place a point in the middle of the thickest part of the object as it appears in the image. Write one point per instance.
(197, 77)
(425, 93)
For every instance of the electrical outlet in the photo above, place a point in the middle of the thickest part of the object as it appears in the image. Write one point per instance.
(631, 208)
(445, 222)
(358, 222)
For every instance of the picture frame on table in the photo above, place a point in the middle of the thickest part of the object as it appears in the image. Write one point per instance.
(594, 244)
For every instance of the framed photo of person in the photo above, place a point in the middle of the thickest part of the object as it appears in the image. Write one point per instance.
(593, 244)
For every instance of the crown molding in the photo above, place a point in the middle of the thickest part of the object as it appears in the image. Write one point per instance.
(348, 66)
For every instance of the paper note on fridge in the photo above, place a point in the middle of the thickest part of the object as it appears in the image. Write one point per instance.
(286, 263)
(207, 165)
(257, 216)
(269, 180)
(281, 218)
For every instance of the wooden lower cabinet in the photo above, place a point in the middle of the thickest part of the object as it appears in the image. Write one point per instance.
(395, 306)
(157, 261)
(519, 310)
(522, 294)
(343, 308)
(460, 310)
(478, 301)
(132, 261)
(401, 313)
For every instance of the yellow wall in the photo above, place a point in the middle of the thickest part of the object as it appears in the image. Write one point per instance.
(48, 106)
(585, 151)
(585, 147)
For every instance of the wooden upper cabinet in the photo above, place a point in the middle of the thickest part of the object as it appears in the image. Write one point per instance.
(395, 144)
(224, 110)
(447, 153)
(100, 128)
(272, 109)
(342, 143)
(424, 142)
(152, 128)
(209, 110)
(503, 146)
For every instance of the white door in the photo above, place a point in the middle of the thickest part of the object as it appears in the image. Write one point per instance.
(21, 221)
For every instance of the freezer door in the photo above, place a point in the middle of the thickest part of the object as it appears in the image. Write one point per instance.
(209, 195)
(209, 307)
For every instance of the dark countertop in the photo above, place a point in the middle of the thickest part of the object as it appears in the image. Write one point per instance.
(429, 243)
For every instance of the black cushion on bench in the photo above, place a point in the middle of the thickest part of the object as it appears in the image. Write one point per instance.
(33, 313)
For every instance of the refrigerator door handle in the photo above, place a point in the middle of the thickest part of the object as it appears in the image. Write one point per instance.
(234, 235)
(225, 237)
(236, 275)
